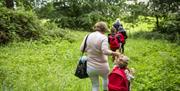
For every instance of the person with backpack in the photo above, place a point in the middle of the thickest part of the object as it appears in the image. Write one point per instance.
(121, 75)
(120, 30)
(114, 41)
(97, 53)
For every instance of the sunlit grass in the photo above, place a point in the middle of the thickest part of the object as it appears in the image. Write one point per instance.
(143, 24)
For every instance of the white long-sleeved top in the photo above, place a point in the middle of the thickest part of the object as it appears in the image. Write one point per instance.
(97, 51)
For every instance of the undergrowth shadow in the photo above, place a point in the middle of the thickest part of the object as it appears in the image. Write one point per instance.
(173, 37)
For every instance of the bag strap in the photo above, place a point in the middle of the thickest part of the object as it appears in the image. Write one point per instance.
(85, 44)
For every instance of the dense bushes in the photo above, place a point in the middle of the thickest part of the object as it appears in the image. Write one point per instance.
(85, 21)
(78, 14)
(171, 24)
(156, 35)
(53, 32)
(18, 24)
(24, 25)
(170, 27)
(4, 37)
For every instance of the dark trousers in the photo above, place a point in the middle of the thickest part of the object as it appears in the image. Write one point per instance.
(122, 47)
(129, 86)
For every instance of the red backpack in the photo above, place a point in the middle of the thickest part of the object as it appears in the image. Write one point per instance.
(122, 39)
(117, 80)
(113, 42)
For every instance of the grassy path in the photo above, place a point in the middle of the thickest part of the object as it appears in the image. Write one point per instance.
(36, 66)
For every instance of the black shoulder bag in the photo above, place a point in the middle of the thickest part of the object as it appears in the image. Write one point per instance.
(81, 70)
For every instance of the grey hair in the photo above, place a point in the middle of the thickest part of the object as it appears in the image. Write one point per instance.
(101, 26)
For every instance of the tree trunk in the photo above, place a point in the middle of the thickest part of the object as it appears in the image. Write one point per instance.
(10, 4)
(157, 21)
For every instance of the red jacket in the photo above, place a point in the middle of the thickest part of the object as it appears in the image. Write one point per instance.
(117, 80)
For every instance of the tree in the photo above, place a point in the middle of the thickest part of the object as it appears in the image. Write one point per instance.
(9, 4)
(162, 8)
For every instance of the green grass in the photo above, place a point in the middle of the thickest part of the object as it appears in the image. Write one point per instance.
(157, 65)
(39, 66)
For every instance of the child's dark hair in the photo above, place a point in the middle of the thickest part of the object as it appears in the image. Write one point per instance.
(113, 30)
(124, 65)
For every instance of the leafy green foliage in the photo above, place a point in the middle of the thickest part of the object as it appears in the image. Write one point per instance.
(52, 31)
(170, 25)
(156, 36)
(49, 63)
(135, 10)
(81, 14)
(47, 11)
(85, 21)
(160, 7)
(145, 28)
(23, 24)
(167, 10)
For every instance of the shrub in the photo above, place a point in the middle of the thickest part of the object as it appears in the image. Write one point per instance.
(85, 21)
(170, 26)
(53, 32)
(157, 35)
(20, 23)
(4, 38)
(25, 25)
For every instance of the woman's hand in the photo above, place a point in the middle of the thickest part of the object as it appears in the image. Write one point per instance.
(117, 54)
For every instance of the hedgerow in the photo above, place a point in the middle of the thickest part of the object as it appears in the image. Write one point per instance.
(22, 25)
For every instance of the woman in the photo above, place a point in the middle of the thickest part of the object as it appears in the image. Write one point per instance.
(97, 52)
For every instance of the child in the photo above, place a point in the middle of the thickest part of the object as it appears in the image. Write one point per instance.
(114, 40)
(120, 77)
(122, 32)
(119, 28)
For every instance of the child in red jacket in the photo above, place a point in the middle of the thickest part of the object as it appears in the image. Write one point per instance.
(119, 78)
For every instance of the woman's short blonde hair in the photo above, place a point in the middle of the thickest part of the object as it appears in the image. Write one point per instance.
(101, 26)
(120, 59)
